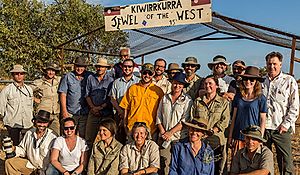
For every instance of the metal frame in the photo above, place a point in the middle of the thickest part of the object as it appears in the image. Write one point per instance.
(226, 19)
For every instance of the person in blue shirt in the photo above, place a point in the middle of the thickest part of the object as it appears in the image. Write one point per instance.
(249, 108)
(192, 155)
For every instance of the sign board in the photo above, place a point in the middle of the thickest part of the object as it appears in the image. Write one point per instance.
(156, 14)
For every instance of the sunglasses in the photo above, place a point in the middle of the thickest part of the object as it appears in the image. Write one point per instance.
(173, 73)
(147, 72)
(249, 78)
(69, 128)
(127, 66)
(19, 73)
(136, 124)
(238, 68)
(190, 65)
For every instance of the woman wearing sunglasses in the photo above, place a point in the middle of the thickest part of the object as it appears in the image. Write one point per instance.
(69, 152)
(140, 156)
(104, 159)
(249, 108)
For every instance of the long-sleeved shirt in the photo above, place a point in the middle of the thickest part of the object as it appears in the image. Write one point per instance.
(37, 151)
(105, 161)
(184, 162)
(47, 92)
(16, 106)
(282, 101)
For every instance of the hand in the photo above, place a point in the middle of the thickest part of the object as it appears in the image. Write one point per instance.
(95, 110)
(65, 114)
(229, 96)
(167, 135)
(230, 142)
(282, 129)
(121, 114)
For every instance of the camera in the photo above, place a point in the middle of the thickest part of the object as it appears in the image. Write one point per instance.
(7, 146)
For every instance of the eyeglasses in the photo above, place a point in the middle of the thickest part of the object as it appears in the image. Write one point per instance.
(69, 128)
(147, 72)
(190, 65)
(19, 73)
(238, 68)
(249, 78)
(127, 66)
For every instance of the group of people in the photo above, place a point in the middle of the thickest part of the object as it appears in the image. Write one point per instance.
(153, 119)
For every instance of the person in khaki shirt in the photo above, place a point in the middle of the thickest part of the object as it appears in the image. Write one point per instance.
(255, 158)
(46, 96)
(190, 67)
(142, 155)
(216, 110)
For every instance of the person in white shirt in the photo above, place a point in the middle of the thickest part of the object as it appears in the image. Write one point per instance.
(281, 91)
(69, 152)
(16, 104)
(33, 153)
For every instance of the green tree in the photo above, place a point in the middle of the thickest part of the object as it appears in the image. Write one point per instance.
(30, 30)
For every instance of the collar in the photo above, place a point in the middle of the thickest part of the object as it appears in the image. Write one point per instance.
(258, 151)
(132, 145)
(217, 98)
(277, 77)
(105, 77)
(180, 99)
(133, 77)
(100, 144)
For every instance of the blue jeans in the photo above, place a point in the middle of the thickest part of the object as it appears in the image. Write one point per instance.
(51, 170)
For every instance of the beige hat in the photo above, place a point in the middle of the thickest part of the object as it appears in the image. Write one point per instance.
(173, 66)
(254, 132)
(199, 123)
(102, 62)
(18, 68)
(216, 60)
(51, 65)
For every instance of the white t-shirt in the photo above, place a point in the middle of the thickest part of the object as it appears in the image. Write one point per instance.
(70, 160)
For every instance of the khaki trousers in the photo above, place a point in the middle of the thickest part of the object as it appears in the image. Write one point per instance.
(55, 125)
(17, 166)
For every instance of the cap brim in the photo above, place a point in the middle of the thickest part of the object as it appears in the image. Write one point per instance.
(104, 65)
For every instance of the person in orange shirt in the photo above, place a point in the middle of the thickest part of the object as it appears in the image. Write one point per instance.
(141, 101)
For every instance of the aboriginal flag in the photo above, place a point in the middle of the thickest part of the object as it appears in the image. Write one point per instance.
(200, 2)
(110, 11)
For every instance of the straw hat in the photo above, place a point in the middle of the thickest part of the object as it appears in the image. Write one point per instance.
(18, 68)
(254, 132)
(102, 62)
(191, 60)
(252, 72)
(51, 66)
(216, 60)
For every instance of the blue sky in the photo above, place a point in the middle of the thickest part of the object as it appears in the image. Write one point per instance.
(281, 15)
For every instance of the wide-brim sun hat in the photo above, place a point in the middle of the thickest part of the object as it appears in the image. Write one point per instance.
(191, 60)
(199, 123)
(216, 60)
(18, 68)
(80, 61)
(252, 72)
(102, 62)
(173, 66)
(254, 132)
(180, 77)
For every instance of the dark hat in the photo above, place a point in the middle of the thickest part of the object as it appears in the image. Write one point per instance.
(148, 66)
(191, 60)
(180, 77)
(51, 66)
(217, 59)
(42, 116)
(199, 123)
(254, 132)
(252, 72)
(80, 61)
(173, 66)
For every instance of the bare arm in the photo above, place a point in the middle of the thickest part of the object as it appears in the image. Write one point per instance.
(263, 122)
(63, 104)
(116, 105)
(83, 162)
(168, 134)
(149, 170)
(232, 126)
(54, 161)
(124, 171)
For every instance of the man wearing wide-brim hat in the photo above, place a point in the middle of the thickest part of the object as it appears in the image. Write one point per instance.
(173, 68)
(16, 104)
(219, 67)
(98, 87)
(193, 155)
(190, 67)
(45, 93)
(32, 154)
(255, 157)
(72, 94)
